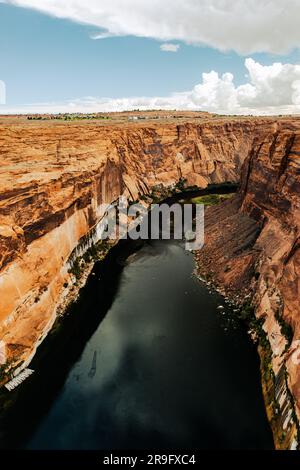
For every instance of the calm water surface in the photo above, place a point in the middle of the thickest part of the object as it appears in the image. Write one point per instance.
(145, 360)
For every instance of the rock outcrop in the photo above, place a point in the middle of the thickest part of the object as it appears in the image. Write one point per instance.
(55, 177)
(255, 238)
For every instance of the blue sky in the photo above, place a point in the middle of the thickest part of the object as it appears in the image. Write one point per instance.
(52, 60)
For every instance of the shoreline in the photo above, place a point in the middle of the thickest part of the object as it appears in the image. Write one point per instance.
(274, 406)
(66, 300)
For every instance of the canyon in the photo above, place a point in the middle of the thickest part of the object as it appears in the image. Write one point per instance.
(55, 178)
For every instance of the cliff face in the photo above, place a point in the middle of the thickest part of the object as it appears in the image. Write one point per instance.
(255, 238)
(54, 179)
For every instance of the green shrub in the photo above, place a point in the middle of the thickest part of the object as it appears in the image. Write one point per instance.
(211, 199)
(76, 269)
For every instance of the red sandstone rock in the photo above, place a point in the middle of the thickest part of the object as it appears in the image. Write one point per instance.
(55, 176)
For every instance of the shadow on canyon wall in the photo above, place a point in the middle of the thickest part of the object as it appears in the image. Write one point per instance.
(64, 345)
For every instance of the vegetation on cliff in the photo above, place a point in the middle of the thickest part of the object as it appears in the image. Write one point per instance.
(211, 199)
(96, 252)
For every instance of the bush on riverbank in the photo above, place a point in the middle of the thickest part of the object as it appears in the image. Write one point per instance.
(211, 199)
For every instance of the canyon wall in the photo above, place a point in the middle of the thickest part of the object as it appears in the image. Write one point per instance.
(55, 178)
(53, 181)
(255, 238)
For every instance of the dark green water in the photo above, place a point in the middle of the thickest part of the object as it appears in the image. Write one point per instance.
(145, 360)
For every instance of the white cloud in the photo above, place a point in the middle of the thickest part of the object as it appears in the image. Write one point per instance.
(102, 35)
(169, 47)
(275, 85)
(2, 92)
(273, 89)
(246, 26)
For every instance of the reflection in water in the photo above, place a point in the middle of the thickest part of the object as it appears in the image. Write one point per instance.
(158, 371)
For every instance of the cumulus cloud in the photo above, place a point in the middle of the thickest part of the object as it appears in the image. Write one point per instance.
(169, 47)
(2, 92)
(273, 85)
(246, 26)
(273, 89)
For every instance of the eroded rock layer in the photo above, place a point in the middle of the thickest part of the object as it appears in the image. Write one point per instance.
(255, 238)
(55, 178)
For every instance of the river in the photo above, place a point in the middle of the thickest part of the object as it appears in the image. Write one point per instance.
(145, 359)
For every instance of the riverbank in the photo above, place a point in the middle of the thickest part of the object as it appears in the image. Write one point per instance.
(140, 361)
(238, 297)
(73, 274)
(231, 261)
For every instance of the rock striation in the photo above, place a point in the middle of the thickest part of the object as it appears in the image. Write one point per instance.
(255, 238)
(55, 178)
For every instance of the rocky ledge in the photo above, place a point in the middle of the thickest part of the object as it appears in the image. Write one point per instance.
(56, 176)
(252, 252)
